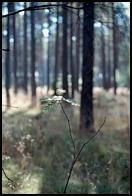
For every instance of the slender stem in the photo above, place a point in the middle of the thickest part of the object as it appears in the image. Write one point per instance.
(7, 176)
(79, 152)
(69, 175)
(40, 7)
(70, 131)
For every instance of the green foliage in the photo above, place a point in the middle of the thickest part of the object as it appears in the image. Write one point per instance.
(42, 166)
(47, 103)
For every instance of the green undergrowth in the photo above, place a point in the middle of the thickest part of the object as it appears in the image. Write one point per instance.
(37, 152)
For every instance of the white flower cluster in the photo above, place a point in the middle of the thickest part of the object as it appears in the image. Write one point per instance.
(21, 147)
(60, 91)
(27, 137)
(5, 157)
(50, 101)
(57, 98)
(71, 102)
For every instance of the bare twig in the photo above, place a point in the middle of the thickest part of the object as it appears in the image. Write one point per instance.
(39, 7)
(7, 176)
(79, 152)
(64, 6)
(70, 131)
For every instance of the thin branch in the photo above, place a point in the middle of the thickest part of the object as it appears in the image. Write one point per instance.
(39, 7)
(7, 177)
(48, 6)
(70, 131)
(79, 152)
(90, 139)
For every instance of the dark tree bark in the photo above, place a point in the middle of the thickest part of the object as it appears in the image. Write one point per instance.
(49, 57)
(103, 63)
(25, 51)
(71, 54)
(42, 68)
(60, 46)
(64, 54)
(56, 50)
(115, 48)
(86, 110)
(33, 58)
(7, 60)
(14, 48)
(109, 60)
(77, 51)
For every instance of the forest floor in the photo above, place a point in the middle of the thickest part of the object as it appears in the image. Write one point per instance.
(37, 150)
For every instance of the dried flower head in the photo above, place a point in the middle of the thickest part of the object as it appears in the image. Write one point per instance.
(60, 91)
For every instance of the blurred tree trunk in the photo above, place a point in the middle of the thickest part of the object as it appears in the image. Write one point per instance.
(71, 53)
(60, 49)
(42, 69)
(64, 54)
(109, 59)
(103, 63)
(7, 60)
(109, 62)
(25, 51)
(49, 57)
(86, 110)
(14, 48)
(77, 49)
(33, 57)
(115, 48)
(56, 50)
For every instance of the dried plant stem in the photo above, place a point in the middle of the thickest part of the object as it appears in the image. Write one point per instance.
(7, 176)
(79, 152)
(70, 131)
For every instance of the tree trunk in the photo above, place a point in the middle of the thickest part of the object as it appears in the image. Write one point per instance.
(115, 49)
(14, 48)
(49, 57)
(7, 61)
(86, 110)
(77, 51)
(64, 54)
(25, 50)
(109, 60)
(33, 58)
(103, 63)
(56, 50)
(71, 54)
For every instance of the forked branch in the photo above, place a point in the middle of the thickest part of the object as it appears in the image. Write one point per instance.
(79, 152)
